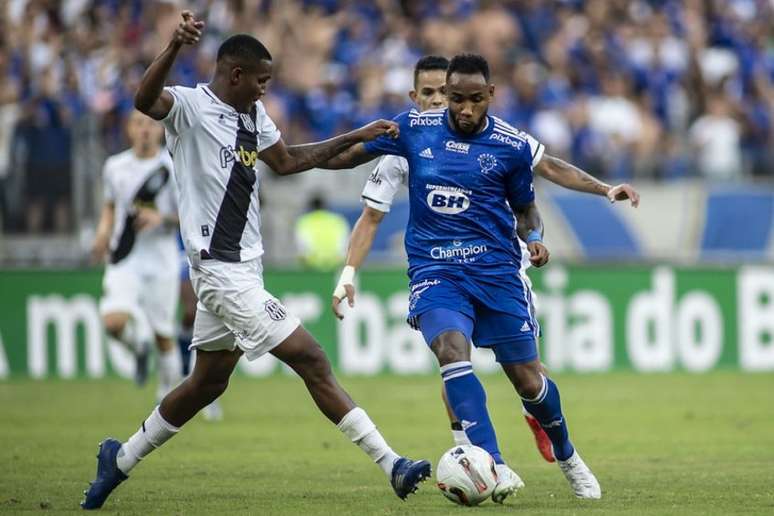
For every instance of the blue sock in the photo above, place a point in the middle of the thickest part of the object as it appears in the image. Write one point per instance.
(183, 341)
(547, 409)
(468, 401)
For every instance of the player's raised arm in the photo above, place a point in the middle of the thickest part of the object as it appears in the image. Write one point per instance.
(569, 176)
(151, 98)
(286, 160)
(529, 227)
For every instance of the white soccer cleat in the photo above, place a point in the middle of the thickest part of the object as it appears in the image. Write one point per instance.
(508, 482)
(580, 477)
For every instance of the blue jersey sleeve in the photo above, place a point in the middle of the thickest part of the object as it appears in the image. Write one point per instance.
(388, 145)
(519, 184)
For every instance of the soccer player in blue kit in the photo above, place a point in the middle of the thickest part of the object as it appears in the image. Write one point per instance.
(470, 174)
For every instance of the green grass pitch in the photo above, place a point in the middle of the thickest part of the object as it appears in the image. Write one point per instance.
(659, 444)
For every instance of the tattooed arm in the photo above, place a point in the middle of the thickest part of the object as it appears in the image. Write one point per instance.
(286, 160)
(569, 176)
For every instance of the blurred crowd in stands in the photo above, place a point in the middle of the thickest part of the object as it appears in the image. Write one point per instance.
(628, 89)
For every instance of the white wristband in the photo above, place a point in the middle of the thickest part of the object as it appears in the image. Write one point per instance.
(347, 278)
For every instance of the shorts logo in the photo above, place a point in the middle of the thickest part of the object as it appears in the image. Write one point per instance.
(275, 310)
(418, 288)
(205, 230)
(374, 178)
(487, 162)
(247, 121)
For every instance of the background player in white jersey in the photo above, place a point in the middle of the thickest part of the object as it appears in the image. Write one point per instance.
(137, 231)
(217, 133)
(391, 173)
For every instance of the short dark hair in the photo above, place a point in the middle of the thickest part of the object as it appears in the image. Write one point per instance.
(468, 64)
(244, 48)
(428, 63)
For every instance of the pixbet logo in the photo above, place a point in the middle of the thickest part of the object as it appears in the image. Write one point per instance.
(513, 142)
(448, 203)
(425, 121)
(227, 155)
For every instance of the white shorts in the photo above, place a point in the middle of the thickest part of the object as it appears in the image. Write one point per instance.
(234, 310)
(127, 289)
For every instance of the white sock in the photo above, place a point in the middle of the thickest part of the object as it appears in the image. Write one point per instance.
(460, 437)
(153, 432)
(129, 335)
(362, 431)
(170, 371)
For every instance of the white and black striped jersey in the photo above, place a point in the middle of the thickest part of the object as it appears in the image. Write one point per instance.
(130, 182)
(215, 151)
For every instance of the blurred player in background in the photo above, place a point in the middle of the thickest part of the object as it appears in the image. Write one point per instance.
(392, 172)
(466, 284)
(217, 134)
(137, 232)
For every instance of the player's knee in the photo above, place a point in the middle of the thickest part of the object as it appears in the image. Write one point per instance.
(449, 349)
(529, 387)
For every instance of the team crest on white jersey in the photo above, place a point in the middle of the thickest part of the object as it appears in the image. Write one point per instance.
(247, 120)
(275, 310)
(487, 162)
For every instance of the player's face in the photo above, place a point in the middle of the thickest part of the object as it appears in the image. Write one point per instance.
(143, 131)
(250, 83)
(468, 96)
(428, 92)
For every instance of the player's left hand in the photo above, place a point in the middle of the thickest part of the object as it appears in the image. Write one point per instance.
(538, 254)
(622, 192)
(378, 128)
(147, 218)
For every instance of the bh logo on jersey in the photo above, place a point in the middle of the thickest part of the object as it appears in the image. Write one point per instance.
(487, 162)
(447, 202)
(275, 310)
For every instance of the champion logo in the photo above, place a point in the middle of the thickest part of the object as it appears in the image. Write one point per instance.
(525, 326)
(427, 153)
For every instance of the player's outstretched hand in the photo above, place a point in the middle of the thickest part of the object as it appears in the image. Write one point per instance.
(622, 192)
(378, 128)
(147, 218)
(348, 294)
(538, 254)
(188, 31)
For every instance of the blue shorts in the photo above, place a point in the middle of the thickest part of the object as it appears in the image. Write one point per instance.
(491, 311)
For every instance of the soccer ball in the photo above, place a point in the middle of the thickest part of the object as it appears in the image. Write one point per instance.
(466, 475)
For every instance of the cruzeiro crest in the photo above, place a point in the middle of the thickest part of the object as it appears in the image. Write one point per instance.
(275, 310)
(487, 162)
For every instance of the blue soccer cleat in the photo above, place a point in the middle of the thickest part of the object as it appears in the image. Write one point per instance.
(108, 475)
(407, 474)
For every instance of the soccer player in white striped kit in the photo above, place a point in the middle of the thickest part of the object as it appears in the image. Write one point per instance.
(137, 231)
(216, 134)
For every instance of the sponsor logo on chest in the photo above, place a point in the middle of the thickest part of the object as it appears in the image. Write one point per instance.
(458, 147)
(448, 200)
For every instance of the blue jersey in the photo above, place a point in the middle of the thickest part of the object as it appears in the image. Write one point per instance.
(461, 190)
